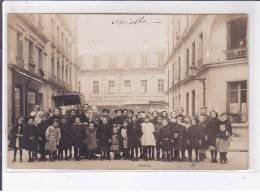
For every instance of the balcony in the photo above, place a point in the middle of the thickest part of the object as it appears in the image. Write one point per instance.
(240, 53)
(200, 62)
(20, 62)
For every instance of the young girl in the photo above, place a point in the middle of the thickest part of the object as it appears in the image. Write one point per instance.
(166, 140)
(78, 135)
(147, 140)
(123, 132)
(53, 136)
(30, 135)
(212, 130)
(194, 136)
(180, 144)
(91, 139)
(66, 138)
(104, 134)
(42, 127)
(134, 134)
(17, 141)
(223, 143)
(116, 143)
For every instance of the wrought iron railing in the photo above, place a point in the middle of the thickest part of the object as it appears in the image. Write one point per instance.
(240, 53)
(200, 62)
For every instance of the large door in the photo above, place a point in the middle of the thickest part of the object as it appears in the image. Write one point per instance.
(18, 105)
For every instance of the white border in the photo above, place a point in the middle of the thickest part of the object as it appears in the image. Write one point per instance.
(154, 180)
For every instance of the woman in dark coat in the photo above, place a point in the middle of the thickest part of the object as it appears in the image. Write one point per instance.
(212, 127)
(17, 140)
(118, 119)
(41, 129)
(104, 134)
(134, 133)
(78, 135)
(165, 138)
(180, 140)
(66, 138)
(30, 135)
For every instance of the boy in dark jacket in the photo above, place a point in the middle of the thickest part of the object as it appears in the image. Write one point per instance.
(118, 120)
(158, 127)
(227, 123)
(166, 139)
(180, 138)
(42, 127)
(78, 135)
(66, 138)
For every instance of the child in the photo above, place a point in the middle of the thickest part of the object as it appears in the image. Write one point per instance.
(223, 143)
(53, 136)
(30, 135)
(124, 114)
(104, 138)
(66, 138)
(134, 134)
(17, 141)
(156, 135)
(91, 140)
(212, 130)
(180, 111)
(147, 140)
(173, 116)
(154, 119)
(129, 116)
(187, 124)
(225, 120)
(37, 114)
(123, 133)
(118, 119)
(180, 138)
(116, 143)
(164, 114)
(166, 140)
(56, 115)
(78, 135)
(42, 127)
(203, 130)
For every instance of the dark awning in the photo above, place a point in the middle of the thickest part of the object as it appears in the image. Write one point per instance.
(66, 100)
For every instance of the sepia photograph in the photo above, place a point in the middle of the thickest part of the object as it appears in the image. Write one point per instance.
(127, 91)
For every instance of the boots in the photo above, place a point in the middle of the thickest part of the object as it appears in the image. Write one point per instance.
(163, 157)
(201, 156)
(158, 156)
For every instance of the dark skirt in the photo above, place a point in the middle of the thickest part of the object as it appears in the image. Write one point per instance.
(77, 140)
(12, 143)
(31, 144)
(133, 142)
(180, 144)
(195, 143)
(64, 144)
(211, 140)
(166, 144)
(104, 143)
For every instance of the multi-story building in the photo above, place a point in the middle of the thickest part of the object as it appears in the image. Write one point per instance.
(208, 63)
(42, 60)
(133, 81)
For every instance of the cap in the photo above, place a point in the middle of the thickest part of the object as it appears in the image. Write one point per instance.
(106, 110)
(117, 110)
(141, 112)
(130, 111)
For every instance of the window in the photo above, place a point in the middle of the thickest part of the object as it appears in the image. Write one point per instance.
(193, 102)
(144, 61)
(173, 74)
(160, 85)
(95, 87)
(201, 45)
(179, 69)
(40, 59)
(143, 86)
(66, 80)
(58, 70)
(187, 62)
(179, 100)
(17, 102)
(160, 60)
(187, 103)
(111, 87)
(193, 53)
(32, 99)
(19, 46)
(52, 66)
(62, 73)
(237, 33)
(127, 86)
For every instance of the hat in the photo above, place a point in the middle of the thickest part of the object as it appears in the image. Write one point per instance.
(125, 110)
(141, 112)
(106, 110)
(118, 110)
(130, 111)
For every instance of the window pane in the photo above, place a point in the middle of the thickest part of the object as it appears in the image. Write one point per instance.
(233, 97)
(243, 85)
(234, 86)
(243, 96)
(17, 102)
(31, 97)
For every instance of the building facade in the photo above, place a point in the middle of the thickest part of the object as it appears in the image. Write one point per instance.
(134, 81)
(208, 64)
(42, 60)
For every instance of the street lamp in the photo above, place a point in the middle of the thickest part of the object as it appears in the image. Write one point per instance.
(202, 80)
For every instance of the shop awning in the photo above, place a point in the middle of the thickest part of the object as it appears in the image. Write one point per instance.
(26, 75)
(66, 100)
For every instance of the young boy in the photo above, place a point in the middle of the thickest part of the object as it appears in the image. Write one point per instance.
(180, 111)
(91, 139)
(166, 140)
(42, 127)
(222, 143)
(118, 120)
(158, 127)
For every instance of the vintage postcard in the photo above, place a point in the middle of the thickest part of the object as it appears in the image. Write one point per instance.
(127, 91)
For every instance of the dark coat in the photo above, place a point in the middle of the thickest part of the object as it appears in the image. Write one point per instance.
(118, 120)
(165, 137)
(196, 136)
(71, 121)
(104, 134)
(212, 128)
(154, 121)
(66, 136)
(78, 135)
(30, 131)
(91, 138)
(228, 126)
(120, 140)
(84, 118)
(41, 129)
(180, 143)
(140, 121)
(134, 133)
(14, 138)
(157, 131)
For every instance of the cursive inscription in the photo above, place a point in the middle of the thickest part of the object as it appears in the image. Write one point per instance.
(125, 20)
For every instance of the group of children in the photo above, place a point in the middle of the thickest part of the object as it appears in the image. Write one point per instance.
(127, 134)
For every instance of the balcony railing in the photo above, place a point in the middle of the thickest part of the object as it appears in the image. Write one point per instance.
(20, 62)
(240, 53)
(200, 62)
